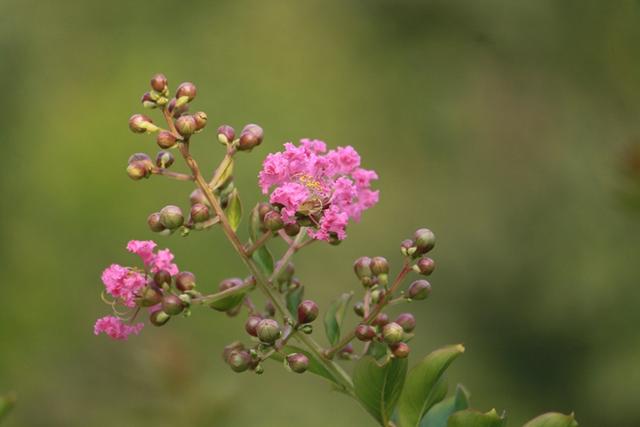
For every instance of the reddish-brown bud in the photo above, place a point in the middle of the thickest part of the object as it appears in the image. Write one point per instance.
(425, 240)
(147, 101)
(251, 325)
(197, 196)
(307, 311)
(166, 139)
(407, 247)
(164, 159)
(273, 221)
(292, 229)
(185, 281)
(177, 111)
(424, 266)
(250, 137)
(138, 169)
(150, 297)
(400, 350)
(186, 125)
(139, 123)
(358, 309)
(362, 268)
(201, 120)
(418, 290)
(187, 89)
(365, 332)
(239, 360)
(226, 134)
(159, 82)
(232, 282)
(162, 277)
(379, 265)
(381, 320)
(172, 305)
(298, 362)
(407, 321)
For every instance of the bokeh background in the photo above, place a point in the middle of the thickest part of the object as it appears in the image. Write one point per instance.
(507, 127)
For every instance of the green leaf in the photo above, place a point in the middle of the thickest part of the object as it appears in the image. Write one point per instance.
(262, 256)
(378, 387)
(6, 405)
(378, 350)
(234, 210)
(224, 171)
(294, 298)
(421, 391)
(439, 413)
(229, 299)
(315, 366)
(254, 223)
(553, 419)
(334, 317)
(473, 418)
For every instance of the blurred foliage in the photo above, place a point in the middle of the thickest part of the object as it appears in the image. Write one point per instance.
(501, 125)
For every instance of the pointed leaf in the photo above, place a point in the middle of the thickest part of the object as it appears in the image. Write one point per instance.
(315, 366)
(553, 419)
(473, 418)
(438, 415)
(234, 210)
(294, 298)
(378, 387)
(421, 391)
(262, 256)
(222, 174)
(228, 299)
(334, 317)
(254, 223)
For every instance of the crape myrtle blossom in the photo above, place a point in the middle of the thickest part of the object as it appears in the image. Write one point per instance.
(328, 187)
(126, 285)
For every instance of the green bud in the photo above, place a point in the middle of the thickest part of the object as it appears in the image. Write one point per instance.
(377, 295)
(239, 360)
(358, 308)
(424, 266)
(307, 311)
(273, 221)
(307, 329)
(392, 333)
(166, 139)
(400, 350)
(298, 362)
(186, 125)
(171, 217)
(259, 369)
(159, 318)
(226, 134)
(407, 247)
(150, 296)
(425, 240)
(419, 290)
(407, 321)
(199, 213)
(185, 281)
(268, 331)
(154, 222)
(365, 332)
(138, 170)
(292, 230)
(164, 159)
(139, 123)
(250, 137)
(172, 305)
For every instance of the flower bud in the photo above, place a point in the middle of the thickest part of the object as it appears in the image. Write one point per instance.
(150, 296)
(185, 281)
(250, 137)
(268, 331)
(377, 295)
(425, 240)
(154, 222)
(418, 290)
(307, 311)
(171, 217)
(239, 360)
(286, 274)
(362, 268)
(139, 123)
(407, 247)
(161, 277)
(251, 325)
(199, 213)
(392, 333)
(400, 350)
(407, 321)
(159, 83)
(226, 134)
(228, 349)
(365, 332)
(263, 209)
(424, 266)
(147, 101)
(164, 159)
(138, 169)
(166, 139)
(172, 305)
(273, 221)
(177, 110)
(298, 362)
(197, 196)
(292, 230)
(346, 352)
(233, 282)
(201, 120)
(159, 318)
(186, 89)
(358, 308)
(186, 125)
(379, 265)
(381, 320)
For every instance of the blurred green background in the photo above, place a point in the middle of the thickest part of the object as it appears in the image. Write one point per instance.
(501, 125)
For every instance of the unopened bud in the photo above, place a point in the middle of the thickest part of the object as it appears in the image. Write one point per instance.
(186, 89)
(166, 139)
(268, 331)
(148, 101)
(407, 247)
(164, 159)
(177, 110)
(392, 333)
(358, 308)
(379, 265)
(381, 320)
(251, 325)
(185, 281)
(307, 311)
(424, 266)
(139, 123)
(159, 83)
(239, 360)
(201, 120)
(377, 296)
(186, 125)
(138, 169)
(292, 229)
(172, 305)
(154, 223)
(362, 268)
(273, 221)
(425, 240)
(197, 196)
(407, 321)
(298, 362)
(365, 332)
(171, 217)
(228, 349)
(286, 273)
(199, 213)
(150, 297)
(233, 282)
(263, 209)
(250, 137)
(226, 134)
(346, 352)
(400, 350)
(162, 277)
(159, 318)
(418, 290)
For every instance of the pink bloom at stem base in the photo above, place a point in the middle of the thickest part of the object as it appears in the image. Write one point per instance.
(116, 328)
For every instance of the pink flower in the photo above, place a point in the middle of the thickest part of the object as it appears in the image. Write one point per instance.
(116, 328)
(162, 261)
(142, 248)
(123, 283)
(328, 187)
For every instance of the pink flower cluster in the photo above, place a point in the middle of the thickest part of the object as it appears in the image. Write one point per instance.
(309, 180)
(124, 284)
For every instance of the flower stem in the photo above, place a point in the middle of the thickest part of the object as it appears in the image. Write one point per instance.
(259, 243)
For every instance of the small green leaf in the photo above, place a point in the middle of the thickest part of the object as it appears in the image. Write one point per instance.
(254, 223)
(228, 300)
(439, 413)
(294, 298)
(473, 418)
(378, 350)
(264, 259)
(421, 391)
(378, 387)
(315, 366)
(234, 210)
(553, 419)
(224, 171)
(334, 317)
(6, 405)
